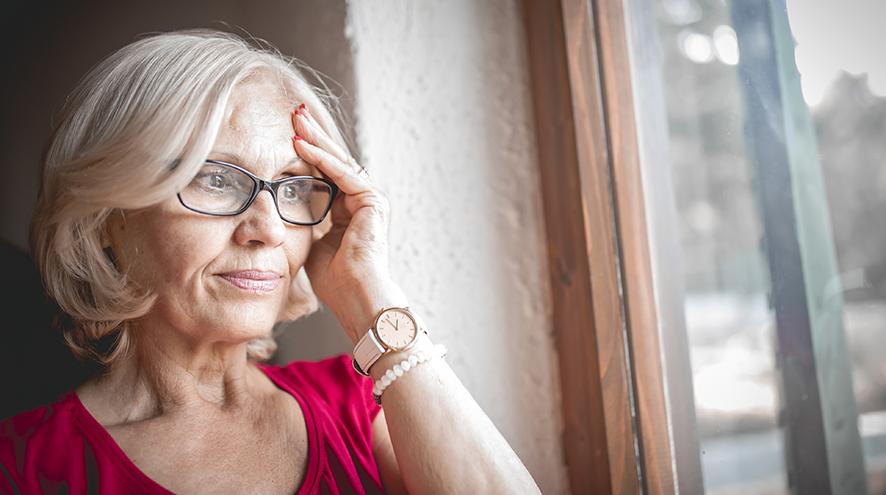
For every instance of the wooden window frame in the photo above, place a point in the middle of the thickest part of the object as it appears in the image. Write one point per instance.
(624, 430)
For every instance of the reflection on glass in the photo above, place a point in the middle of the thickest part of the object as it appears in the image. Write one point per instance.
(728, 319)
(727, 273)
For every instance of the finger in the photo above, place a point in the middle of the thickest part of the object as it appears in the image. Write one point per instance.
(344, 176)
(308, 127)
(314, 127)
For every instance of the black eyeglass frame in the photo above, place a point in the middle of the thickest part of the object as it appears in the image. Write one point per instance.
(260, 185)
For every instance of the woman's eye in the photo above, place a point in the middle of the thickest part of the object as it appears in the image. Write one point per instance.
(292, 192)
(217, 181)
(213, 181)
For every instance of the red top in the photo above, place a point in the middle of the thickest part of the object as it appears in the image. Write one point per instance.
(61, 448)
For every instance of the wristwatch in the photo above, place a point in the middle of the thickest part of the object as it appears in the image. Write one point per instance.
(394, 329)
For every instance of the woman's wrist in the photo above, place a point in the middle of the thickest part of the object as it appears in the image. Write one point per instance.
(388, 360)
(356, 309)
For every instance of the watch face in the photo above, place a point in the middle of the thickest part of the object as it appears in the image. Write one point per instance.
(396, 328)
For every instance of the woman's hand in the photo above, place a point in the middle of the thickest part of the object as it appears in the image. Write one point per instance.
(348, 266)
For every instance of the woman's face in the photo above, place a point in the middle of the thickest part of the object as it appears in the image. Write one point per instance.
(191, 260)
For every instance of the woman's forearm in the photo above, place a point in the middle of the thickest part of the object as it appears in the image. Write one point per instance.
(443, 441)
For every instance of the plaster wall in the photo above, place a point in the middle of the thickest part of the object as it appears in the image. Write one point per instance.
(444, 124)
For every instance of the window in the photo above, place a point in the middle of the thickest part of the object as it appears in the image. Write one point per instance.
(727, 185)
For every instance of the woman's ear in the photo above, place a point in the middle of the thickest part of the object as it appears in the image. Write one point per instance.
(114, 220)
(104, 237)
(105, 241)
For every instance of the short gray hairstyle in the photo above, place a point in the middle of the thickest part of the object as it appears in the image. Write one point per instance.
(133, 132)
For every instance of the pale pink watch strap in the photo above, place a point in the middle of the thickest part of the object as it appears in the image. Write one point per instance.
(367, 351)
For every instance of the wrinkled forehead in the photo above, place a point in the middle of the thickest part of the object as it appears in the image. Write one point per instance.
(257, 128)
(257, 108)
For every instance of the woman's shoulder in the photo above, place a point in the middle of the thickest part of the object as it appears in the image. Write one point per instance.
(42, 435)
(52, 418)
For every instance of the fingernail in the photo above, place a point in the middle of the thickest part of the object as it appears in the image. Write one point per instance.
(297, 138)
(301, 109)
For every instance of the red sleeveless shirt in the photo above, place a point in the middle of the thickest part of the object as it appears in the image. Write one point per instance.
(61, 448)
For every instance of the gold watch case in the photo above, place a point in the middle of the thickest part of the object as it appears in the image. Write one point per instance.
(396, 328)
(386, 328)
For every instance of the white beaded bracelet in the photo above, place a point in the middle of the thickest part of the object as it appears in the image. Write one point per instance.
(402, 367)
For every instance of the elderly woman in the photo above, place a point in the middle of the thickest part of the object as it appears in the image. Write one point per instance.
(195, 193)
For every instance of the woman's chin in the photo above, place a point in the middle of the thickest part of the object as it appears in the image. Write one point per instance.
(247, 328)
(236, 323)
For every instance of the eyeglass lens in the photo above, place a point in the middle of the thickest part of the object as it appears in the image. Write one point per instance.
(222, 190)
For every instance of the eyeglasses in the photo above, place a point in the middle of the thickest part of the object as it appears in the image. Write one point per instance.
(224, 189)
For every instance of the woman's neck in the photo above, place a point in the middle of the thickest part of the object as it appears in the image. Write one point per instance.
(168, 374)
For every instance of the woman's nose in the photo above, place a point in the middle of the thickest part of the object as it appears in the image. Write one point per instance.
(261, 223)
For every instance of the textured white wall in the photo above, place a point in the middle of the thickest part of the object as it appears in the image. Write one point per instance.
(444, 123)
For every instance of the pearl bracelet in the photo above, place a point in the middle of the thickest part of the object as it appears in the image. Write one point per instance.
(402, 367)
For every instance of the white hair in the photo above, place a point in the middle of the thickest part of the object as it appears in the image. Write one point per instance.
(133, 132)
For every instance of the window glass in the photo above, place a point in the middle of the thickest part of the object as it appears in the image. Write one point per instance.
(776, 133)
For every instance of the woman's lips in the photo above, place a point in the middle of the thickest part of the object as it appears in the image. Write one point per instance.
(253, 280)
